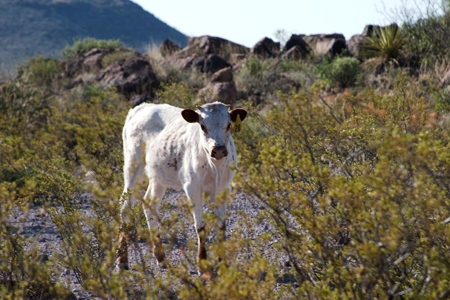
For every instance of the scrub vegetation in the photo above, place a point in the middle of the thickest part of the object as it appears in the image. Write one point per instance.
(349, 172)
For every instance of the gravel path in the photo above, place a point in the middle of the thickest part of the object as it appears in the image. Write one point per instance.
(37, 224)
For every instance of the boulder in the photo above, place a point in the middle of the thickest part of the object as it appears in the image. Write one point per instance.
(370, 30)
(205, 64)
(214, 63)
(266, 48)
(178, 62)
(205, 45)
(224, 75)
(90, 61)
(93, 62)
(355, 45)
(326, 44)
(99, 50)
(133, 75)
(73, 67)
(168, 48)
(297, 40)
(295, 53)
(224, 92)
(221, 88)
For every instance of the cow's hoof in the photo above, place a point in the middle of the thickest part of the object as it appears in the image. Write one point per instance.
(123, 267)
(163, 265)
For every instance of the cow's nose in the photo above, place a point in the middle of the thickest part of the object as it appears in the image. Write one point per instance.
(219, 152)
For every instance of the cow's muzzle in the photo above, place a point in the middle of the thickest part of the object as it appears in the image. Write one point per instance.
(219, 152)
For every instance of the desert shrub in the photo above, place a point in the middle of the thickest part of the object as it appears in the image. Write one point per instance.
(354, 197)
(342, 71)
(178, 94)
(426, 30)
(40, 70)
(383, 48)
(263, 77)
(442, 100)
(84, 45)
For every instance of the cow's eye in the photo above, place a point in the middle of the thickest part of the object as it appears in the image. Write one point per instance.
(203, 127)
(229, 126)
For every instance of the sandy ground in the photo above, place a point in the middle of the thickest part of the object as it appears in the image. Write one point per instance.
(38, 225)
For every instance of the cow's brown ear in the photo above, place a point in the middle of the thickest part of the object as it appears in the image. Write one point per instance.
(238, 111)
(190, 116)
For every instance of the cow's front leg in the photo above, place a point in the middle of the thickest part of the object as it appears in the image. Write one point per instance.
(152, 201)
(195, 194)
(221, 224)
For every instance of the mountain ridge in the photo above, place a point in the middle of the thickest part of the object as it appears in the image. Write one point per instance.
(29, 27)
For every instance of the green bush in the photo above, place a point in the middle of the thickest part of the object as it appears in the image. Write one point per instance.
(177, 94)
(356, 197)
(40, 70)
(426, 33)
(353, 198)
(83, 46)
(342, 71)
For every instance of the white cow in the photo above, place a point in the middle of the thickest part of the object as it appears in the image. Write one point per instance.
(180, 149)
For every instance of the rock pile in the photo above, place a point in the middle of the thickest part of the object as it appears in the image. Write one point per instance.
(130, 75)
(266, 48)
(220, 88)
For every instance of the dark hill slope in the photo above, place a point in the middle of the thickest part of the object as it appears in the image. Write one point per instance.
(32, 27)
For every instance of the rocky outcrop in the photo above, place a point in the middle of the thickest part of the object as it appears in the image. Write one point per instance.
(355, 46)
(370, 29)
(326, 44)
(224, 75)
(89, 62)
(168, 48)
(221, 88)
(93, 59)
(205, 54)
(133, 75)
(302, 46)
(205, 45)
(178, 62)
(204, 64)
(210, 63)
(295, 53)
(266, 48)
(356, 43)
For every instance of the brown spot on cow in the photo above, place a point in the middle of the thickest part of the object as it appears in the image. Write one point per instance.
(174, 164)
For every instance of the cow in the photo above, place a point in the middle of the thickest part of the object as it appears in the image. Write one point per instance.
(180, 149)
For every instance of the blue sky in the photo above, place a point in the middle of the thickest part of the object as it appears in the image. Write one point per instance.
(247, 21)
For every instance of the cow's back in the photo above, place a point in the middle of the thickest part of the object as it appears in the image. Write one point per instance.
(149, 118)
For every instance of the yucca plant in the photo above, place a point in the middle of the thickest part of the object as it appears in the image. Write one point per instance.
(383, 47)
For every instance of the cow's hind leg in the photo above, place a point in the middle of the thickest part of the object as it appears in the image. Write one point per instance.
(152, 201)
(133, 170)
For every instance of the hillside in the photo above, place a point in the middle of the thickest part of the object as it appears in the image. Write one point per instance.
(29, 28)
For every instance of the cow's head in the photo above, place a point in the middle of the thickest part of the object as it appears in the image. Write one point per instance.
(214, 121)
